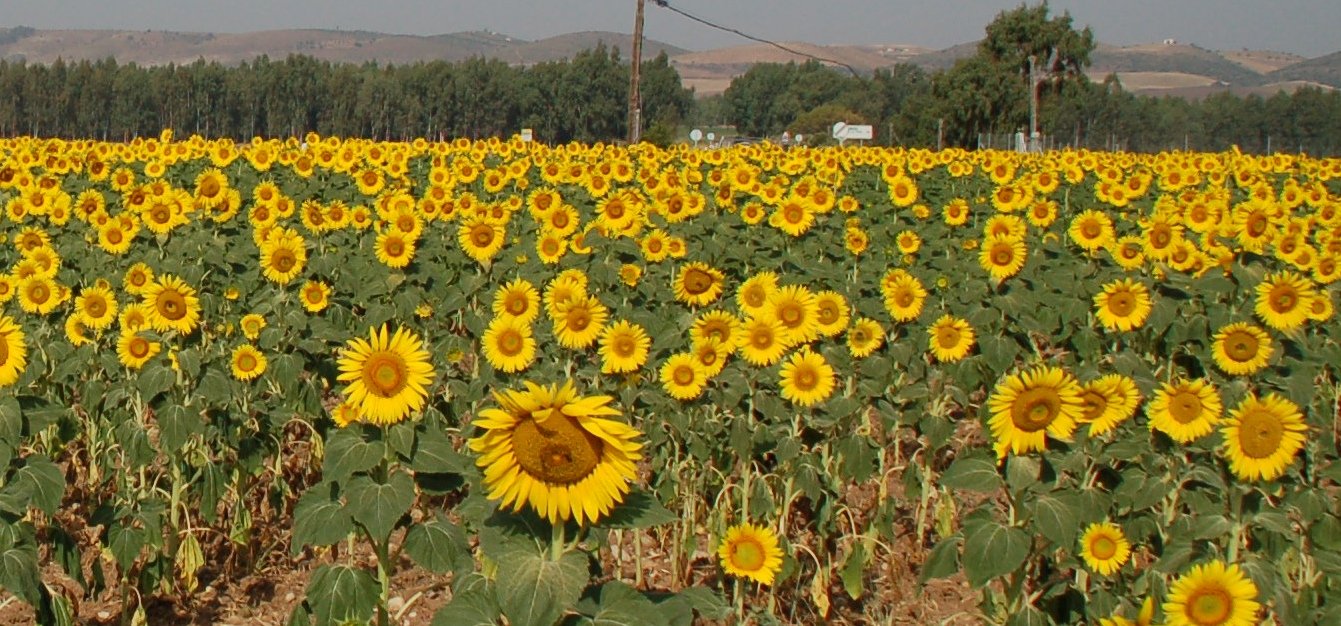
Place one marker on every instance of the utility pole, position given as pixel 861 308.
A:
pixel 635 97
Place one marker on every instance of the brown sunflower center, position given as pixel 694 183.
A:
pixel 1095 404
pixel 510 342
pixel 762 338
pixel 1121 303
pixel 95 307
pixel 791 314
pixel 171 305
pixel 283 260
pixel 394 247
pixel 315 295
pixel 1091 229
pixel 793 214
pixel 209 187
pixel 482 235
pixel 1241 346
pixel 160 214
pixel 1002 255
pixel 805 378
pixel 549 246
pixel 624 346
pixel 578 319
pixel 1160 236
pixel 755 296
pixel 138 347
pixel 1185 406
pixel 557 451
pixel 39 293
pixel 1035 409
pixel 1209 605
pixel 828 313
pixel 1256 225
pixel 697 281
pixel 683 376
pixel 516 305
pixel 1103 547
pixel 947 336
pixel 1260 433
pixel 1283 298
pixel 559 220
pixel 904 298
pixel 246 362
pixel 384 373
pixel 4 349
pixel 747 554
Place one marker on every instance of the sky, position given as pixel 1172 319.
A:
pixel 1305 27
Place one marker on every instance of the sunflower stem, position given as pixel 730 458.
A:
pixel 556 541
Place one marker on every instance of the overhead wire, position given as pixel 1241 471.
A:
pixel 665 4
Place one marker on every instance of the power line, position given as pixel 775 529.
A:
pixel 666 5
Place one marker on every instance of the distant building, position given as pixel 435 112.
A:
pixel 1170 42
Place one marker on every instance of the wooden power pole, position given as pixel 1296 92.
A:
pixel 635 97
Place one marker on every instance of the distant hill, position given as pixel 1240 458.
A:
pixel 337 46
pixel 1159 69
pixel 1324 69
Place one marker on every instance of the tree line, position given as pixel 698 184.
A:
pixel 582 99
pixel 987 95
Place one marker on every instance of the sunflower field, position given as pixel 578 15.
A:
pixel 601 384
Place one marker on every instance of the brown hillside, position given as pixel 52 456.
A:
pixel 1262 61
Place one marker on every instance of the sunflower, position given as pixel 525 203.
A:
pixel 96 307
pixel 251 325
pixel 134 349
pixel 624 347
pixel 864 337
pixel 1185 410
pixel 908 242
pixel 580 322
pixel 211 188
pixel 550 247
pixel 1282 300
pixel 39 294
pixel 316 296
pixel 517 299
pixel 1262 437
pixel 630 274
pixel 1123 304
pixel 248 362
pixel 698 284
pixel 721 326
pixel 762 341
pixel 793 216
pixel 481 238
pixel 795 307
pixel 8 287
pixel 683 377
pixel 752 295
pixel 134 316
pixel 806 378
pixel 387 375
pixel 1109 401
pixel 562 291
pixel 1002 256
pixel 508 344
pixel 751 551
pixel 394 248
pixel 172 305
pixel 951 338
pixel 831 312
pixel 712 355
pixel 903 295
pixel 1320 308
pixel 1212 594
pixel 1241 348
pixel 1091 230
pixel 554 450
pixel 283 255
pixel 956 212
pixel 1104 548
pixel 13 352
pixel 1029 404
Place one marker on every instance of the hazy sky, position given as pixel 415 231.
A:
pixel 1307 27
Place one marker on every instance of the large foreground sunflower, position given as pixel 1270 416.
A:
pixel 1212 594
pixel 554 450
pixel 751 551
pixel 13 352
pixel 387 374
pixel 1262 437
pixel 1028 405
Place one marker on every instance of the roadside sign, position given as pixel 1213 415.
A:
pixel 527 135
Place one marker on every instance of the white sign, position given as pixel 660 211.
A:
pixel 712 136
pixel 799 139
pixel 527 135
pixel 695 135
pixel 843 131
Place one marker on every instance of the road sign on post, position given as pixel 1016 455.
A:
pixel 843 131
